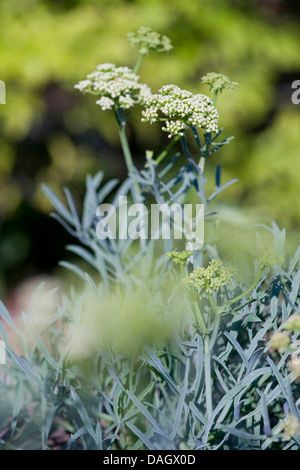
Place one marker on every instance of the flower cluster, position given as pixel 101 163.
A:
pixel 218 82
pixel 294 366
pixel 293 323
pixel 280 341
pixel 210 279
pixel 267 257
pixel 290 426
pixel 181 109
pixel 179 257
pixel 146 39
pixel 116 86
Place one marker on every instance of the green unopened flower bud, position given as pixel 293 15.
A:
pixel 290 426
pixel 280 341
pixel 145 39
pixel 268 258
pixel 179 257
pixel 210 279
pixel 293 323
pixel 218 82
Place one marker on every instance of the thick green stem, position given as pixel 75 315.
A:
pixel 248 291
pixel 207 372
pixel 138 63
pixel 182 270
pixel 128 157
pixel 165 152
pixel 199 319
pixel 202 164
pixel 126 150
pixel 214 100
pixel 213 303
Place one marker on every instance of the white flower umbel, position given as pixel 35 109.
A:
pixel 181 109
pixel 116 86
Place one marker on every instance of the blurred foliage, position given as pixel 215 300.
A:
pixel 50 134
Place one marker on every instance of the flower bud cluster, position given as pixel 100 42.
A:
pixel 280 340
pixel 290 426
pixel 210 279
pixel 179 257
pixel 293 323
pixel 218 82
pixel 268 257
pixel 145 39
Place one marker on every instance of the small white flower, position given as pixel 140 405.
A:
pixel 126 101
pixel 83 85
pixel 106 66
pixel 105 103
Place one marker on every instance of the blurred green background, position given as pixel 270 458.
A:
pixel 51 133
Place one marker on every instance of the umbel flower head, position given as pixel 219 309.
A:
pixel 290 426
pixel 181 109
pixel 294 366
pixel 145 39
pixel 116 86
pixel 210 279
pixel 179 257
pixel 293 323
pixel 280 340
pixel 218 82
pixel 268 257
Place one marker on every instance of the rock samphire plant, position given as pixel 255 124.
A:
pixel 164 346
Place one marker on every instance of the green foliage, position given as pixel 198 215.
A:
pixel 46 47
pixel 136 361
pixel 156 400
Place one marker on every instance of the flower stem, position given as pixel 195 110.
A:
pixel 138 63
pixel 248 291
pixel 199 319
pixel 126 150
pixel 128 159
pixel 213 304
pixel 214 100
pixel 202 164
pixel 207 373
pixel 119 113
pixel 165 152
